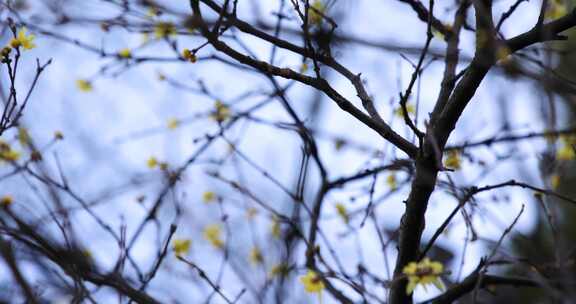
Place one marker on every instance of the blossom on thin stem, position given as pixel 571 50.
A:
pixel 423 273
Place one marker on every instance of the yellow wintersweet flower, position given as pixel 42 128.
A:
pixel 280 269
pixel 566 153
pixel 188 55
pixel 423 273
pixel 208 197
pixel 84 85
pixel 6 201
pixel 181 246
pixel 342 212
pixel 410 108
pixel 173 123
pixel 304 67
pixel 152 162
pixel 164 30
pixel 256 256
pixel 23 40
pixel 7 153
pixel 391 181
pixel 312 282
pixel 275 229
pixel 221 113
pixel 315 12
pixel 453 160
pixel 212 234
pixel 556 9
pixel 5 52
pixel 23 136
pixel 125 53
pixel 152 12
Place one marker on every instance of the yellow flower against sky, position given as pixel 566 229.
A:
pixel 313 283
pixel 84 85
pixel 212 234
pixel 423 273
pixel 23 40
pixel 181 247
pixel 453 160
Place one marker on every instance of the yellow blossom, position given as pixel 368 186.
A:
pixel 84 85
pixel 161 76
pixel 152 162
pixel 555 181
pixel 181 246
pixel 208 197
pixel 304 67
pixel 221 113
pixel 256 256
pixel 275 229
pixel 312 282
pixel 556 9
pixel 173 123
pixel 280 269
pixel 410 108
pixel 152 12
pixel 188 55
pixel 342 212
pixel 566 153
pixel 391 181
pixel 212 234
pixel 23 40
pixel 5 51
pixel 125 53
pixel 453 160
pixel 6 201
pixel 315 12
pixel 7 153
pixel 423 273
pixel 164 30
pixel 23 136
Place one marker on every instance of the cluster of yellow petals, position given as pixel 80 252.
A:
pixel 173 123
pixel 7 153
pixel 164 30
pixel 342 212
pixel 312 282
pixel 410 108
pixel 221 113
pixel 391 181
pixel 212 234
pixel 209 196
pixel 84 85
pixel 315 12
pixel 256 256
pixel 181 247
pixel 423 273
pixel 189 56
pixel 23 40
pixel 6 201
pixel 453 160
